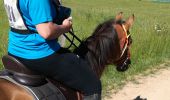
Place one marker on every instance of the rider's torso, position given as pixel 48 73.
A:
pixel 25 14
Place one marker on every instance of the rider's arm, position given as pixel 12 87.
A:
pixel 50 30
pixel 42 15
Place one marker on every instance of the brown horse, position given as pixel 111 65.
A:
pixel 109 44
pixel 11 91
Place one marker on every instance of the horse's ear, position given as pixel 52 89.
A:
pixel 129 22
pixel 119 16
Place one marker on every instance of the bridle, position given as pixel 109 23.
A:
pixel 127 33
pixel 125 65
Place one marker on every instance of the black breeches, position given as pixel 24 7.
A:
pixel 68 69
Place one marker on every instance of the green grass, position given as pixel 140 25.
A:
pixel 149 47
pixel 3 32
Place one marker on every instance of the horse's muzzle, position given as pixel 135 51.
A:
pixel 124 66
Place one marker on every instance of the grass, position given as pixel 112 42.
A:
pixel 3 31
pixel 150 47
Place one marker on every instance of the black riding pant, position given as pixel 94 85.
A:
pixel 68 69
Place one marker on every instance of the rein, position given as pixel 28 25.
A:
pixel 71 32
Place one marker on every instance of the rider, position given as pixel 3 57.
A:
pixel 32 40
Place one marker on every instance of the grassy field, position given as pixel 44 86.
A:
pixel 150 47
pixel 3 31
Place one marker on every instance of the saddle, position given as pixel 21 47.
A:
pixel 24 76
pixel 21 74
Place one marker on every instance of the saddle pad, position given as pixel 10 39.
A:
pixel 44 92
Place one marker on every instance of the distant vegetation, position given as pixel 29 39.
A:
pixel 161 0
pixel 150 32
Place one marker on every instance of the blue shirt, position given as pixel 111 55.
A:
pixel 33 46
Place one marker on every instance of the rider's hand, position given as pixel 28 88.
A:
pixel 67 23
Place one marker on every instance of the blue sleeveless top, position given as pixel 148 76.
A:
pixel 33 46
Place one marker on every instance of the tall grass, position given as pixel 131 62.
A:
pixel 150 32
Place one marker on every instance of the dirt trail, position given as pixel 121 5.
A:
pixel 153 87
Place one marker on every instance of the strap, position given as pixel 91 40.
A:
pixel 23 31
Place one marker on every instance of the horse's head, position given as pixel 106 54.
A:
pixel 125 40
pixel 109 44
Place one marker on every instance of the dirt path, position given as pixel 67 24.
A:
pixel 153 87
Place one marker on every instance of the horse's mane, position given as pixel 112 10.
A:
pixel 101 48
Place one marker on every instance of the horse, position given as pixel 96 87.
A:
pixel 109 44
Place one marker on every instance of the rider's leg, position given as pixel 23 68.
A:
pixel 71 71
